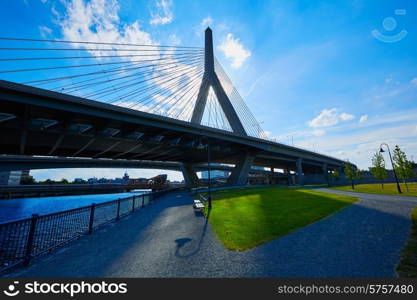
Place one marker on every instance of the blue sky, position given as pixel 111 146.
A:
pixel 313 72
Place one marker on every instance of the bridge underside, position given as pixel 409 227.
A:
pixel 36 122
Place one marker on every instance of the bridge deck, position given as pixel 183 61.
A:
pixel 34 121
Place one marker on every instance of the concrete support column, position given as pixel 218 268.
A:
pixel 342 176
pixel 190 176
pixel 240 172
pixel 287 172
pixel 300 176
pixel 325 173
pixel 271 175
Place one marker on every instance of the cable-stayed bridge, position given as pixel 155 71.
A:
pixel 67 100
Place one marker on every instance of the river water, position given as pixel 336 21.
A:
pixel 20 208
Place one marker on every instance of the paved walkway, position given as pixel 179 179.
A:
pixel 167 239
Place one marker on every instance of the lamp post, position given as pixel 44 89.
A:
pixel 209 175
pixel 393 168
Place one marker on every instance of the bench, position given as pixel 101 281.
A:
pixel 197 204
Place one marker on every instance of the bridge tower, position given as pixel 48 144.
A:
pixel 210 79
pixel 243 162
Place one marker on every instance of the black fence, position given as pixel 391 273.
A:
pixel 24 239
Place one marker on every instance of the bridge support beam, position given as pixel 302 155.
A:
pixel 300 176
pixel 342 175
pixel 288 173
pixel 240 172
pixel 325 173
pixel 190 175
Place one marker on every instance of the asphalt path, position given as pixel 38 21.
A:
pixel 167 239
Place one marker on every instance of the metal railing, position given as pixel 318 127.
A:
pixel 24 239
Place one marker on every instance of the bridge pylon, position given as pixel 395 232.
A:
pixel 210 79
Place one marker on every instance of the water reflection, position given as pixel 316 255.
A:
pixel 14 209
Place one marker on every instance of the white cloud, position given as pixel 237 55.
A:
pixel 98 21
pixel 174 40
pixel 207 21
pixel 326 118
pixel 346 117
pixel 234 50
pixel 265 134
pixel 329 117
pixel 292 137
pixel 363 118
pixel 45 31
pixel 359 146
pixel 318 132
pixel 414 81
pixel 164 14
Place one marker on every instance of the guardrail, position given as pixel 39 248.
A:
pixel 24 239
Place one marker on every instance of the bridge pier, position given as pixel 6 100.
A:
pixel 288 173
pixel 190 175
pixel 240 172
pixel 342 175
pixel 325 173
pixel 299 167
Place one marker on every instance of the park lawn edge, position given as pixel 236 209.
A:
pixel 347 188
pixel 269 239
pixel 407 266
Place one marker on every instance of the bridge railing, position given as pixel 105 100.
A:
pixel 24 239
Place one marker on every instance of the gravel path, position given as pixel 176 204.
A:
pixel 167 239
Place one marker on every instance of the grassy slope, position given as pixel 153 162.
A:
pixel 389 189
pixel 408 263
pixel 245 218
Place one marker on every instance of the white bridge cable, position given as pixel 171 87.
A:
pixel 249 122
pixel 77 86
pixel 213 115
pixel 171 79
pixel 105 71
pixel 133 82
pixel 154 78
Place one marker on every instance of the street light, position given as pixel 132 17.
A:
pixel 393 168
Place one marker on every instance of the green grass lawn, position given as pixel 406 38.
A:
pixel 247 217
pixel 408 263
pixel 375 188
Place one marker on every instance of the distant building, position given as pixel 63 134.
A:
pixel 258 168
pixel 25 175
pixel 92 180
pixel 11 177
pixel 125 177
pixel 215 174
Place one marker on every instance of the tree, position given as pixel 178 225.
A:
pixel 334 175
pixel 28 180
pixel 352 173
pixel 378 168
pixel 403 167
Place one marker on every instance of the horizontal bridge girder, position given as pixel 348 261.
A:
pixel 87 118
